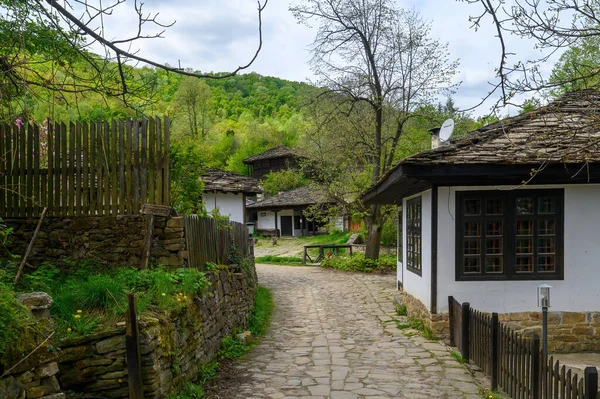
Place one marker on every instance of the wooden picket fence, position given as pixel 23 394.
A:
pixel 514 362
pixel 85 169
pixel 209 241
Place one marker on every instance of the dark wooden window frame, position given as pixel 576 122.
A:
pixel 509 235
pixel 414 259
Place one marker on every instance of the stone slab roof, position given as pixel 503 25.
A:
pixel 299 197
pixel 277 152
pixel 565 131
pixel 218 180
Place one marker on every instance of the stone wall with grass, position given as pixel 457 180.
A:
pixel 173 347
pixel 437 323
pixel 117 240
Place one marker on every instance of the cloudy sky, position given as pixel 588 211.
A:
pixel 219 35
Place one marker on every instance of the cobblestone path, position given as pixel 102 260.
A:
pixel 332 336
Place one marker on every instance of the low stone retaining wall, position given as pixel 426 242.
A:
pixel 173 348
pixel 438 323
pixel 117 240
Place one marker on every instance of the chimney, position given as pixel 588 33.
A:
pixel 435 137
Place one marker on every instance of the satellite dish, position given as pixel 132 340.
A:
pixel 446 129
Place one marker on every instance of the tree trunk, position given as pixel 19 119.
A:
pixel 374 226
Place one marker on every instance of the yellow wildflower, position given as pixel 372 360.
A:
pixel 69 329
pixel 185 297
pixel 491 396
pixel 180 293
pixel 77 316
pixel 163 294
pixel 178 299
pixel 79 311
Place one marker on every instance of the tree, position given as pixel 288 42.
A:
pixel 377 63
pixel 192 100
pixel 554 26
pixel 42 42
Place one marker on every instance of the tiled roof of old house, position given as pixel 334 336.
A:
pixel 277 152
pixel 229 182
pixel 299 197
pixel 567 130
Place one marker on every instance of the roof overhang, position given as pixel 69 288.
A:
pixel 408 179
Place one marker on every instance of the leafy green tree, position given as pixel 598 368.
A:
pixel 192 102
pixel 188 161
pixel 577 68
pixel 283 180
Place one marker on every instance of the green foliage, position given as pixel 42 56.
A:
pixel 232 348
pixel 86 297
pixel 335 237
pixel 18 330
pixel 260 315
pixel 389 233
pixel 188 391
pixel 577 67
pixel 278 260
pixel 457 356
pixel 402 310
pixel 485 393
pixel 283 180
pixel 188 161
pixel 358 263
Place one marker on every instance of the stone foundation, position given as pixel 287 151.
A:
pixel 173 349
pixel 438 323
pixel 568 332
pixel 117 240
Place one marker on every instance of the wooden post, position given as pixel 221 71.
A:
pixel 495 355
pixel 535 367
pixel 148 241
pixel 304 256
pixel 30 246
pixel 591 382
pixel 465 330
pixel 132 345
pixel 451 320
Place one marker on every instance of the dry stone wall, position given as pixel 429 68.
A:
pixel 173 348
pixel 117 240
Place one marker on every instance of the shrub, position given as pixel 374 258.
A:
pixel 389 233
pixel 358 263
pixel 18 330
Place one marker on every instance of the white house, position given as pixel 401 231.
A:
pixel 489 217
pixel 283 214
pixel 228 191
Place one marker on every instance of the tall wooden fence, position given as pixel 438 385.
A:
pixel 85 169
pixel 514 363
pixel 209 241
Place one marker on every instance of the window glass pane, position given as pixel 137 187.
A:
pixel 493 246
pixel 525 206
pixel 546 227
pixel 524 264
pixel 524 246
pixel 493 264
pixel 546 205
pixel 494 207
pixel 472 207
pixel 546 245
pixel 546 263
pixel 472 229
pixel 472 247
pixel 524 227
pixel 493 228
pixel 472 264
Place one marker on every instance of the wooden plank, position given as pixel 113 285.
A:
pixel 78 171
pixel 133 352
pixel 159 164
pixel 37 197
pixel 106 168
pixel 128 157
pixel 99 169
pixel 22 173
pixel 71 169
pixel 136 166
pixel 51 187
pixel 85 201
pixel 122 167
pixel 151 163
pixel 114 151
pixel 63 171
pixel 93 173
pixel 3 169
pixel 167 162
pixel 144 160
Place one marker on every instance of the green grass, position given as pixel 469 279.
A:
pixel 336 237
pixel 401 310
pixel 458 357
pixel 279 260
pixel 260 316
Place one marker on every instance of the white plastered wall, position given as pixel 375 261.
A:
pixel 415 285
pixel 578 292
pixel 231 205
